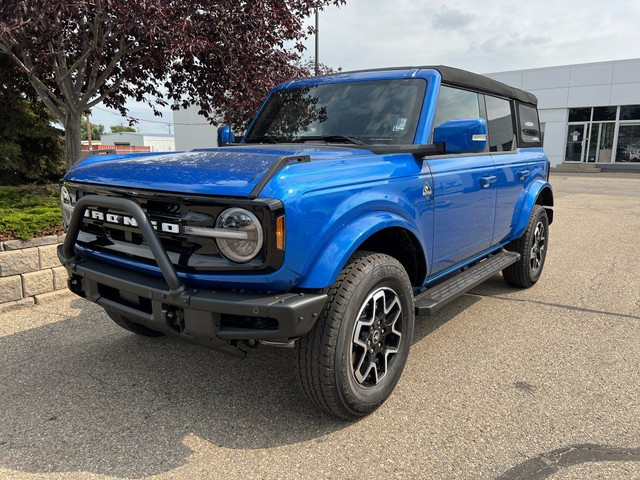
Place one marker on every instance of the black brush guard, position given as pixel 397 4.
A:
pixel 169 305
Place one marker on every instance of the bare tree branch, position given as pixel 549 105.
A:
pixel 52 102
pixel 44 96
pixel 115 85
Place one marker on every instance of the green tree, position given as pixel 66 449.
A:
pixel 97 130
pixel 31 147
pixel 122 128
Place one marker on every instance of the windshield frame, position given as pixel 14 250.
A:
pixel 424 109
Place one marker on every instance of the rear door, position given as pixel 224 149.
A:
pixel 516 167
pixel 463 189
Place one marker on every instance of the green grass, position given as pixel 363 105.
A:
pixel 29 211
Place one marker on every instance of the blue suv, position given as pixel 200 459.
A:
pixel 353 203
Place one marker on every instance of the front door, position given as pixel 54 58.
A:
pixel 464 193
pixel 576 142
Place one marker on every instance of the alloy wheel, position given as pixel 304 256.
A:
pixel 376 336
pixel 538 247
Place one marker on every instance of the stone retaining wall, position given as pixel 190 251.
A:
pixel 29 269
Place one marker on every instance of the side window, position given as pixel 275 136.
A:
pixel 499 124
pixel 455 103
pixel 529 125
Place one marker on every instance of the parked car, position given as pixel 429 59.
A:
pixel 353 203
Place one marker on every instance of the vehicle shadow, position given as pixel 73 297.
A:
pixel 426 325
pixel 84 395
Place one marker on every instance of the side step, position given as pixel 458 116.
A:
pixel 432 299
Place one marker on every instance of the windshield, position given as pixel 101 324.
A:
pixel 374 112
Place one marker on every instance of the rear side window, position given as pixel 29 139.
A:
pixel 529 126
pixel 454 103
pixel 499 124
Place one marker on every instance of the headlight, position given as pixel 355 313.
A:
pixel 244 236
pixel 67 207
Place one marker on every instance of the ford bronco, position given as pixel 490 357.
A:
pixel 353 203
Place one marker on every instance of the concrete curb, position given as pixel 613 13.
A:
pixel 25 302
pixel 45 298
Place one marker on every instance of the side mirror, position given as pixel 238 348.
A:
pixel 468 135
pixel 225 135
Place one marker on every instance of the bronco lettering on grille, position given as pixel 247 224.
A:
pixel 127 221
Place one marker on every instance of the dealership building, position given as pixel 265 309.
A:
pixel 589 114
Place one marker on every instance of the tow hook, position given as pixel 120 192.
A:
pixel 75 285
pixel 174 317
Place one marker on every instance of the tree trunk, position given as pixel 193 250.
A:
pixel 73 138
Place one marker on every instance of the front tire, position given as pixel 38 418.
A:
pixel 532 247
pixel 352 359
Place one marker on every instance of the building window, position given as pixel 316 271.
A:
pixel 630 112
pixel 604 113
pixel 499 124
pixel 580 114
pixel 628 144
pixel 604 134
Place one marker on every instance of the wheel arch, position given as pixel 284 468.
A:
pixel 403 245
pixel 538 193
pixel 545 199
pixel 380 232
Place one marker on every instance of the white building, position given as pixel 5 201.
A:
pixel 589 113
pixel 158 142
pixel 193 130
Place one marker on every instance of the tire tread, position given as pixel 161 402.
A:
pixel 316 372
pixel 518 273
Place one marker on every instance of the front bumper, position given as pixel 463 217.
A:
pixel 216 318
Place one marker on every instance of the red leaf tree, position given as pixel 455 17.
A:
pixel 223 55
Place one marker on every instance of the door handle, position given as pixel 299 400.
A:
pixel 486 181
pixel 522 174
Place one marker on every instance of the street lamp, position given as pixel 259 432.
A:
pixel 317 69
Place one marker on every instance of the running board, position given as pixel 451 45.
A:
pixel 432 299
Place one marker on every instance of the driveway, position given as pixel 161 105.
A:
pixel 501 383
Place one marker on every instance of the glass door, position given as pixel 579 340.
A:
pixel 576 142
pixel 600 142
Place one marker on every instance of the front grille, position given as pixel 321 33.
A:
pixel 188 253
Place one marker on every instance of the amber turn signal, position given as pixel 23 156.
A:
pixel 280 233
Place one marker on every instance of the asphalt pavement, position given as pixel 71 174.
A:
pixel 502 383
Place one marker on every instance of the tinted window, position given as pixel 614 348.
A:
pixel 373 112
pixel 604 113
pixel 630 112
pixel 455 103
pixel 529 126
pixel 499 124
pixel 580 114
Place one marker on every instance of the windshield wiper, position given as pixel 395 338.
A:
pixel 331 138
pixel 262 139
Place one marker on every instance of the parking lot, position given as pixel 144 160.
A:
pixel 501 383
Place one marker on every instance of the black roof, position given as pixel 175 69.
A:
pixel 465 79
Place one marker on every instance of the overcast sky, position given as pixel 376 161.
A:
pixel 481 36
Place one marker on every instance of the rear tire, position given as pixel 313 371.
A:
pixel 352 359
pixel 532 247
pixel 133 327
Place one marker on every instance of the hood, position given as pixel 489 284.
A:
pixel 230 171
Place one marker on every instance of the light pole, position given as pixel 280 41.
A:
pixel 317 69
